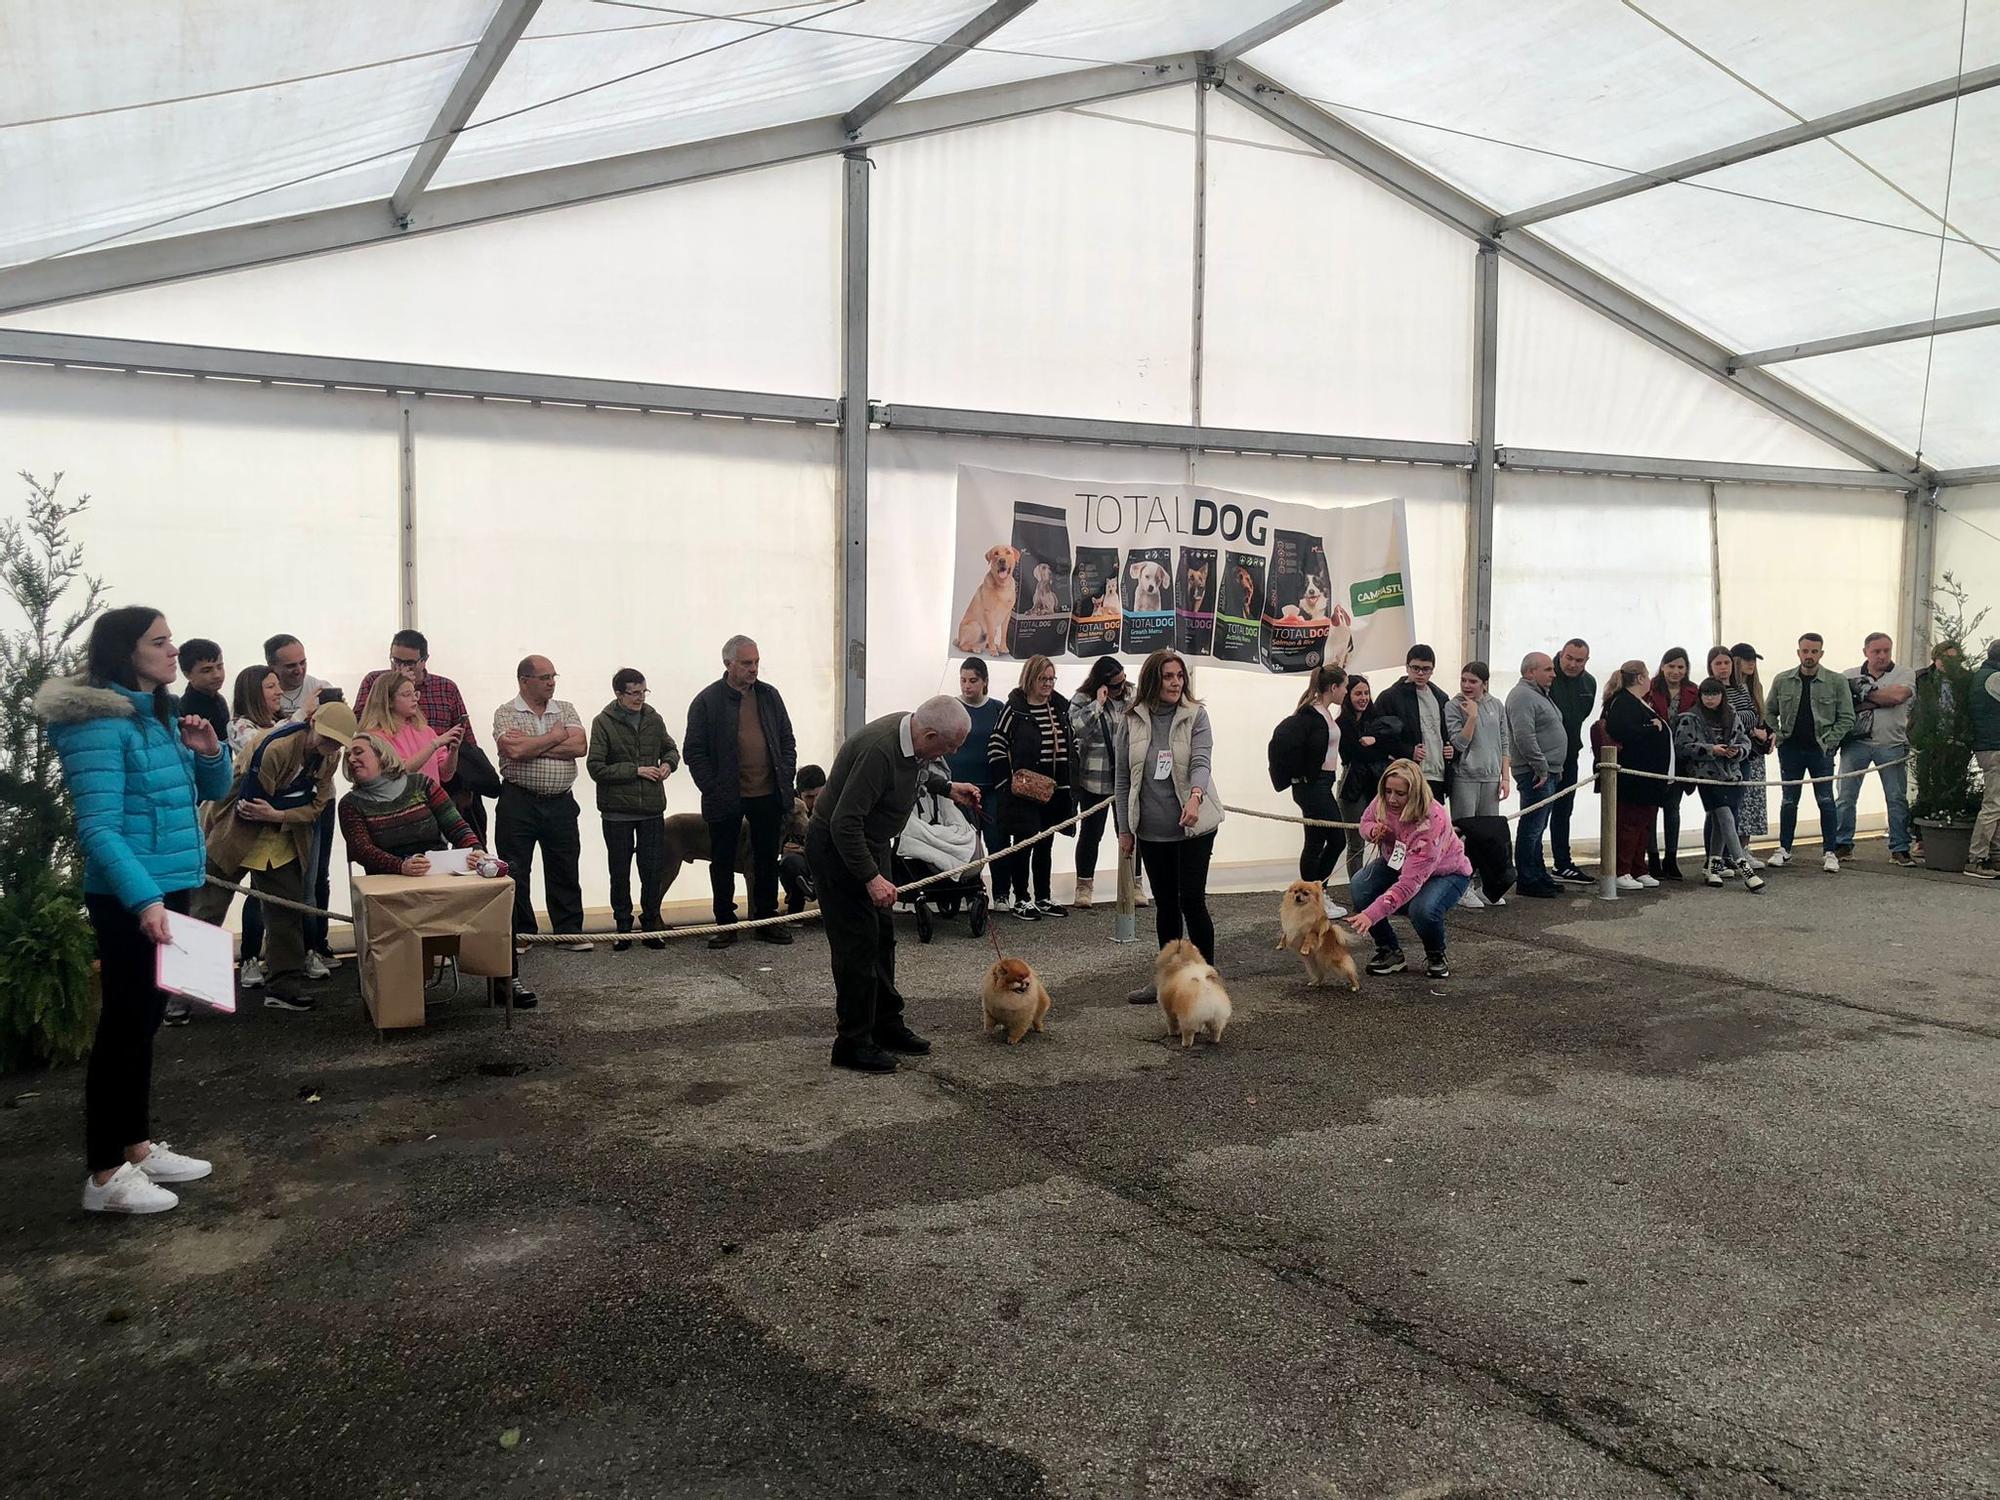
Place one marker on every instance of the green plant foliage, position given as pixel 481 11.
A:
pixel 47 1008
pixel 1948 784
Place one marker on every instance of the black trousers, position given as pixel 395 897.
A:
pixel 861 939
pixel 1323 846
pixel 319 880
pixel 796 876
pixel 523 823
pixel 1178 869
pixel 118 1084
pixel 1089 834
pixel 648 839
pixel 766 817
pixel 1036 861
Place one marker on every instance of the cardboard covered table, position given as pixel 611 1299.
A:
pixel 394 915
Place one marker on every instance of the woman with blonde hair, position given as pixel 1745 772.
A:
pixel 1031 752
pixel 1419 869
pixel 395 711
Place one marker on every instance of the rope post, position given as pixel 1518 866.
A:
pixel 1607 823
pixel 1125 919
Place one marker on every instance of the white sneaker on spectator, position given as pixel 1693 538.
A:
pixel 316 967
pixel 327 957
pixel 1780 858
pixel 252 975
pixel 1649 882
pixel 1831 864
pixel 1333 909
pixel 1629 883
pixel 164 1164
pixel 579 946
pixel 1756 863
pixel 1472 900
pixel 129 1191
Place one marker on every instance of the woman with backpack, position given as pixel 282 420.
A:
pixel 1303 754
pixel 1711 746
pixel 1368 740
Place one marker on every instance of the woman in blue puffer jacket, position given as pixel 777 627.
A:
pixel 136 773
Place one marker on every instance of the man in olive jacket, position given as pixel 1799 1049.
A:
pixel 741 753
pixel 869 793
pixel 1810 712
pixel 631 757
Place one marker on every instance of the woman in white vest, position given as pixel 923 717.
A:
pixel 1166 803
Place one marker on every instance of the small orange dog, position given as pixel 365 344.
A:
pixel 1013 996
pixel 1306 929
pixel 1190 992
pixel 987 618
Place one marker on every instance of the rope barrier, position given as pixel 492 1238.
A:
pixel 1516 815
pixel 711 927
pixel 1799 781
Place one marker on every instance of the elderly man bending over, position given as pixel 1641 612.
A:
pixel 869 793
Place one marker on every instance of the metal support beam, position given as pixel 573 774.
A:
pixel 854 443
pixel 1715 566
pixel 1895 334
pixel 935 61
pixel 1920 530
pixel 505 29
pixel 67 278
pixel 1985 474
pixel 1763 145
pixel 1265 30
pixel 1335 138
pixel 406 531
pixel 85 351
pixel 1199 299
pixel 1552 461
pixel 1485 388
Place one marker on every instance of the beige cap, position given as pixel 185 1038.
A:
pixel 335 721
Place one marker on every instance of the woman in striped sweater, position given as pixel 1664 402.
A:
pixel 1032 734
pixel 394 817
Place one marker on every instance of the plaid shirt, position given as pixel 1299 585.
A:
pixel 440 699
pixel 546 775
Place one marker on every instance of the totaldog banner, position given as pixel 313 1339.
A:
pixel 1075 569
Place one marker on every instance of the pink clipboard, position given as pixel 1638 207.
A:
pixel 198 963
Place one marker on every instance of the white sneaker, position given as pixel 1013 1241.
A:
pixel 1831 864
pixel 252 975
pixel 316 967
pixel 328 961
pixel 1780 859
pixel 580 947
pixel 164 1164
pixel 1333 909
pixel 1497 901
pixel 1756 863
pixel 1472 900
pixel 129 1191
pixel 1649 883
pixel 1628 883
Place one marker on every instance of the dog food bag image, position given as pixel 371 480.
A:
pixel 1094 610
pixel 1041 612
pixel 1194 599
pixel 1296 620
pixel 988 621
pixel 1148 586
pixel 1240 606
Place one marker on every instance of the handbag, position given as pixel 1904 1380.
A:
pixel 1032 786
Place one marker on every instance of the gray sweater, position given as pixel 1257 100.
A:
pixel 1478 751
pixel 1535 727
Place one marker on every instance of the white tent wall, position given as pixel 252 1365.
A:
pixel 604 540
pixel 237 510
pixel 1968 546
pixel 911 486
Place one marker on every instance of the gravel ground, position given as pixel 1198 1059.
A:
pixel 1692 1194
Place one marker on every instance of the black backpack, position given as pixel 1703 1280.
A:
pixel 1287 753
pixel 299 792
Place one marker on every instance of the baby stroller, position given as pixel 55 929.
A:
pixel 939 837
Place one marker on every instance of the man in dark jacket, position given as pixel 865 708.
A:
pixel 1574 693
pixel 741 753
pixel 1419 705
pixel 869 793
pixel 631 757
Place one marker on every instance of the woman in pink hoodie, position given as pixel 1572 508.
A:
pixel 1419 868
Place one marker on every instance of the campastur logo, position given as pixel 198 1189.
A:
pixel 1372 594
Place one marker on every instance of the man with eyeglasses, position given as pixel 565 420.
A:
pixel 299 697
pixel 631 757
pixel 540 739
pixel 443 708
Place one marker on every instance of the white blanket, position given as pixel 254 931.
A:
pixel 938 834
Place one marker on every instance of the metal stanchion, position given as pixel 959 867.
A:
pixel 1607 823
pixel 1125 919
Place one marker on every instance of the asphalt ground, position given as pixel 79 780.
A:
pixel 1687 1194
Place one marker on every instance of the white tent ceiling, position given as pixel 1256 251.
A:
pixel 137 122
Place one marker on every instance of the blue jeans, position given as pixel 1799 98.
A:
pixel 1558 816
pixel 1895 790
pixel 1426 910
pixel 1530 872
pixel 1793 763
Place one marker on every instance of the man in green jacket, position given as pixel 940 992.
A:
pixel 1810 712
pixel 869 793
pixel 631 756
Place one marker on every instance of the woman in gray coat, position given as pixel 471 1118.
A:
pixel 1481 745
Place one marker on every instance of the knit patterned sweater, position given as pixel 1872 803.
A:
pixel 380 836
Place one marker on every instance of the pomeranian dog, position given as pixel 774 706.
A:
pixel 1306 929
pixel 1013 997
pixel 1191 993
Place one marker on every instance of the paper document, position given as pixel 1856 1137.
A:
pixel 199 964
pixel 453 861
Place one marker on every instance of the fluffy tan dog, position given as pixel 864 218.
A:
pixel 1306 929
pixel 1191 993
pixel 1013 997
pixel 984 626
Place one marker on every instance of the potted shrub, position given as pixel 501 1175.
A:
pixel 48 999
pixel 1947 790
